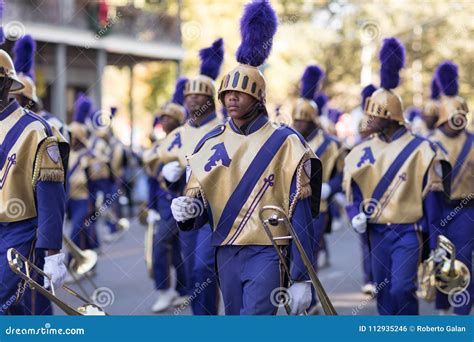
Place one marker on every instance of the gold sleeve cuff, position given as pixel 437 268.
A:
pixel 48 164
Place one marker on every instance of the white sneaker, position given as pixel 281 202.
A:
pixel 112 237
pixel 180 300
pixel 368 289
pixel 165 300
pixel 338 224
pixel 70 279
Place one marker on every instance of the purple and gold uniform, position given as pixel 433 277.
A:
pixel 397 183
pixel 32 193
pixel 457 144
pixel 198 253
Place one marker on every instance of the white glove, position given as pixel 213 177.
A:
pixel 184 208
pixel 359 223
pixel 438 255
pixel 300 297
pixel 172 171
pixel 325 191
pixel 152 216
pixel 55 268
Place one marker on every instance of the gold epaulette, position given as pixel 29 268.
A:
pixel 48 165
pixel 303 185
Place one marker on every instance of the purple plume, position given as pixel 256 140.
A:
pixel 321 100
pixel 392 58
pixel 310 81
pixel 435 92
pixel 178 95
pixel 212 58
pixel 82 108
pixel 25 49
pixel 447 78
pixel 2 8
pixel 366 93
pixel 412 113
pixel 258 25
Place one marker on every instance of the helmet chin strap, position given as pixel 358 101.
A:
pixel 253 112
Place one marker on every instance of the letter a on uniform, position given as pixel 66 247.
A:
pixel 219 154
pixel 176 142
pixel 368 155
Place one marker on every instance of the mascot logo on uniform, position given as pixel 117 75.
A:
pixel 368 155
pixel 220 154
pixel 175 142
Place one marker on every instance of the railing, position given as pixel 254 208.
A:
pixel 79 14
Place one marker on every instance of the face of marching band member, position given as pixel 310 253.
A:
pixel 5 85
pixel 198 105
pixel 238 104
pixel 168 123
pixel 375 124
pixel 304 127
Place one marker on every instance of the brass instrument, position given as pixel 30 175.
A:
pixel 17 262
pixel 149 234
pixel 123 224
pixel 278 216
pixel 442 272
pixel 82 262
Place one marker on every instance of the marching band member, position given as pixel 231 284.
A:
pixel 326 147
pixel 166 235
pixel 456 142
pixel 32 155
pixel 101 172
pixel 393 181
pixel 199 102
pixel 79 204
pixel 242 165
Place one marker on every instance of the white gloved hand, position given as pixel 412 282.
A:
pixel 172 171
pixel 325 191
pixel 55 268
pixel 300 297
pixel 152 216
pixel 438 255
pixel 359 223
pixel 184 208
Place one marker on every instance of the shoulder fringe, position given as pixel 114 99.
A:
pixel 45 173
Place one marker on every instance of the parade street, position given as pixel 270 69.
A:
pixel 126 289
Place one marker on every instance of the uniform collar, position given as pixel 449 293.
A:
pixel 204 121
pixel 251 127
pixel 12 106
pixel 398 133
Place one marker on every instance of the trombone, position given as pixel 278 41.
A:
pixel 16 261
pixel 82 262
pixel 278 216
pixel 149 234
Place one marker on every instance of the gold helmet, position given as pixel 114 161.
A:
pixel 383 102
pixel 7 69
pixel 452 107
pixel 258 25
pixel 29 90
pixel 246 79
pixel 306 109
pixel 211 61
